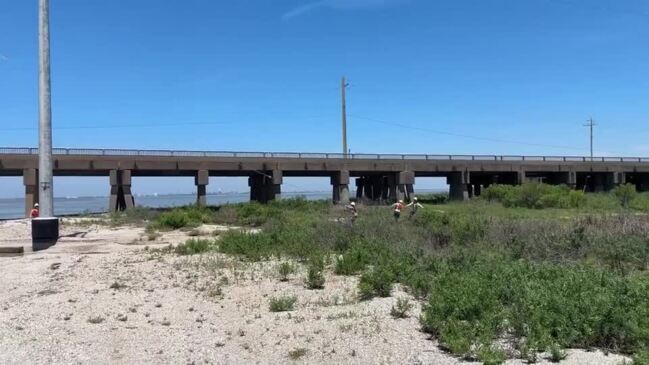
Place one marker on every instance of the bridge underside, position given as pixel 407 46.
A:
pixel 378 180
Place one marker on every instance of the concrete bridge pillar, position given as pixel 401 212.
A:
pixel 201 180
pixel 405 185
pixel 363 190
pixel 30 180
pixel 340 184
pixel 265 187
pixel 121 197
pixel 458 185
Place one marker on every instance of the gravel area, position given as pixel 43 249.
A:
pixel 109 295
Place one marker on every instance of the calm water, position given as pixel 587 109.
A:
pixel 14 208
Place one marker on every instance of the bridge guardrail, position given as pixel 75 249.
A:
pixel 312 155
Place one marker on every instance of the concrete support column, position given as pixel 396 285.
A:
pixel 614 179
pixel 201 180
pixel 360 185
pixel 520 177
pixel 405 182
pixel 121 197
pixel 340 186
pixel 264 188
pixel 572 179
pixel 30 180
pixel 458 184
pixel 275 185
pixel 254 182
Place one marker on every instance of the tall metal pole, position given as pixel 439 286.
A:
pixel 46 198
pixel 591 125
pixel 343 86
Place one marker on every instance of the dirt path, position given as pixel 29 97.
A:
pixel 99 296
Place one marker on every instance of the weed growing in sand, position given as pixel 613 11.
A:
pixel 194 246
pixel 282 304
pixel 285 269
pixel 297 353
pixel 401 308
pixel 117 285
pixel 556 353
pixel 314 277
pixel 95 320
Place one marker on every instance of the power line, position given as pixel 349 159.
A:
pixel 392 123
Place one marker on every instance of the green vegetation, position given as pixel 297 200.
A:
pixel 401 308
pixel 193 246
pixel 314 278
pixel 535 196
pixel 625 194
pixel 542 266
pixel 285 269
pixel 282 304
pixel 297 353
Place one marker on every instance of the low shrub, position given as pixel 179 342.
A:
pixel 351 263
pixel 472 305
pixel 314 277
pixel 376 283
pixel 285 269
pixel 174 219
pixel 282 304
pixel 194 246
pixel 401 308
pixel 625 194
pixel 534 196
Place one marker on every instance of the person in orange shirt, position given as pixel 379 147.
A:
pixel 34 213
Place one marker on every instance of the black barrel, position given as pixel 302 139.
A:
pixel 45 232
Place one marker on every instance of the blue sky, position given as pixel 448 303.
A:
pixel 453 76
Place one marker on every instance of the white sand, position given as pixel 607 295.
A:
pixel 175 314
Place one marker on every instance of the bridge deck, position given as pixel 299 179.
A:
pixel 98 162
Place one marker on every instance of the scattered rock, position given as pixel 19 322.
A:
pixel 55 266
pixel 122 317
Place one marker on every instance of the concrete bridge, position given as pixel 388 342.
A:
pixel 376 176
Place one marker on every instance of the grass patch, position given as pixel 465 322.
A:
pixel 285 269
pixel 194 246
pixel 282 304
pixel 297 353
pixel 401 308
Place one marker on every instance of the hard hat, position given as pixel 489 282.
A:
pixel 36 205
pixel 415 198
pixel 352 203
pixel 400 201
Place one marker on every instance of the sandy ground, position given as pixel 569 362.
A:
pixel 58 306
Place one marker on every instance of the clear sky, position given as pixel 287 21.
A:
pixel 426 76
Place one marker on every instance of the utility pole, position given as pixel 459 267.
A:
pixel 46 198
pixel 45 228
pixel 590 124
pixel 343 87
